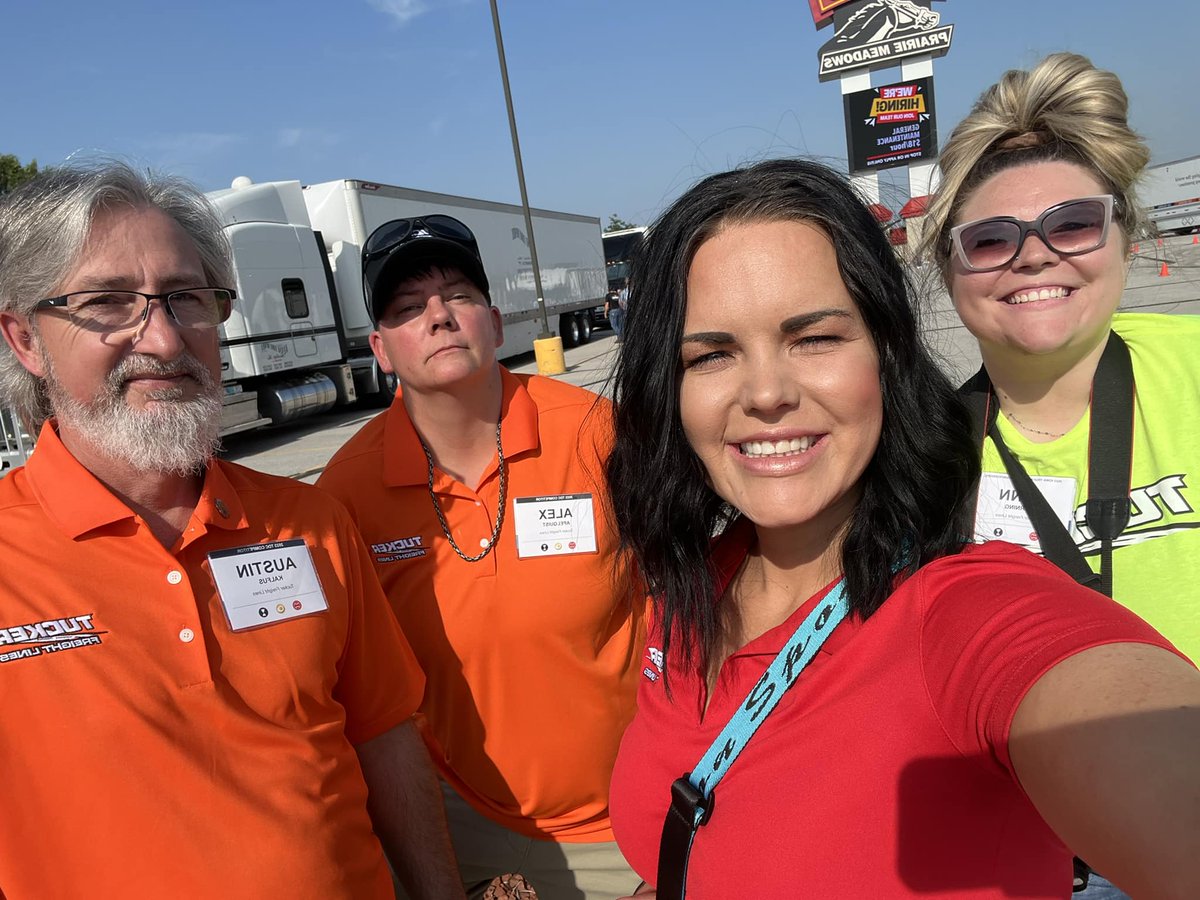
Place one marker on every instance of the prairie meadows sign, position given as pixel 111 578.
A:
pixel 878 33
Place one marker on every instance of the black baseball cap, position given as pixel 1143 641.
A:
pixel 403 247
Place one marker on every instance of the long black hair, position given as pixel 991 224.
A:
pixel 916 488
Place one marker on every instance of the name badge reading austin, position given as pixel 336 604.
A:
pixel 266 583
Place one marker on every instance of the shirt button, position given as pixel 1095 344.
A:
pixel 187 635
pixel 174 576
pixel 477 503
pixel 483 542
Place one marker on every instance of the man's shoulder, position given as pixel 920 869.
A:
pixel 261 491
pixel 552 396
pixel 14 490
pixel 364 448
pixel 566 411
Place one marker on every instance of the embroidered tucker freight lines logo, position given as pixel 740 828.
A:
pixel 401 548
pixel 50 636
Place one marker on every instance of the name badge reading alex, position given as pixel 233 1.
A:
pixel 556 525
pixel 1000 516
pixel 266 583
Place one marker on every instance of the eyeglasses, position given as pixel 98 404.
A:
pixel 109 311
pixel 390 235
pixel 1069 229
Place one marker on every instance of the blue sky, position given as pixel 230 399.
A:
pixel 621 104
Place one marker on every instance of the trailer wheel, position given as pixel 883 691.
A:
pixel 386 389
pixel 585 327
pixel 570 329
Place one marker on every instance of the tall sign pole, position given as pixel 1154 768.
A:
pixel 922 176
pixel 512 127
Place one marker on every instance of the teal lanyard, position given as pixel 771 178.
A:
pixel 692 795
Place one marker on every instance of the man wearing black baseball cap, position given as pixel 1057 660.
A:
pixel 405 247
pixel 481 495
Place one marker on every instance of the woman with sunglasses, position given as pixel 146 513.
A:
pixel 1089 419
pixel 861 702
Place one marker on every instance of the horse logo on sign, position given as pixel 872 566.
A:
pixel 881 20
pixel 881 32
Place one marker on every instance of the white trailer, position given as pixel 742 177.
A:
pixel 1171 195
pixel 297 343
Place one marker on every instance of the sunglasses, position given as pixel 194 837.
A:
pixel 390 235
pixel 1069 229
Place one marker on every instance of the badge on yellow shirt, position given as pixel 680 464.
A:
pixel 554 525
pixel 999 515
pixel 266 583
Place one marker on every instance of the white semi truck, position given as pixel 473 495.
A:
pixel 296 343
pixel 1171 195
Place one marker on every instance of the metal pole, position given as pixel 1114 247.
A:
pixel 512 127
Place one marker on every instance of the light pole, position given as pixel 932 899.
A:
pixel 551 346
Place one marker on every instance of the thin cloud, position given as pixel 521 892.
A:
pixel 290 138
pixel 401 11
pixel 196 143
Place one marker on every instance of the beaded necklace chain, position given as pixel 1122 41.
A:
pixel 1054 434
pixel 499 512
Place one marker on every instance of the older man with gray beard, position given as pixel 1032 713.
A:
pixel 205 693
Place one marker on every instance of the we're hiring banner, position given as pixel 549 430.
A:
pixel 890 125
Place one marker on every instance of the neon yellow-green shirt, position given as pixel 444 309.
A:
pixel 1156 559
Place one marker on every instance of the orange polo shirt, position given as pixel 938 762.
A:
pixel 148 750
pixel 531 662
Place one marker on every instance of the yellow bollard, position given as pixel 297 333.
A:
pixel 549 354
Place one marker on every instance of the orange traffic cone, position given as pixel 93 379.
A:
pixel 1164 271
pixel 1135 248
pixel 1196 238
pixel 1160 242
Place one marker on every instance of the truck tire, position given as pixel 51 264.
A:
pixel 386 391
pixel 570 329
pixel 585 327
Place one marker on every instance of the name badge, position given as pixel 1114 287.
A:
pixel 266 583
pixel 999 515
pixel 554 526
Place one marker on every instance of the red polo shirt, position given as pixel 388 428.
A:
pixel 884 771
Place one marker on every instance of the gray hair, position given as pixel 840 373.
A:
pixel 44 225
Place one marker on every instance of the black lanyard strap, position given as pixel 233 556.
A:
pixel 1110 463
pixel 1110 466
pixel 1110 452
pixel 689 810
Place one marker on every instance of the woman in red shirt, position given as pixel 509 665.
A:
pixel 974 713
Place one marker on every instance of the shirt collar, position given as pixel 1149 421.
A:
pixel 77 502
pixel 220 506
pixel 404 461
